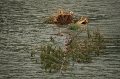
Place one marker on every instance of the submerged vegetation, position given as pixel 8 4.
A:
pixel 74 27
pixel 55 58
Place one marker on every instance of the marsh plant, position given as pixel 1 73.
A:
pixel 74 27
pixel 55 58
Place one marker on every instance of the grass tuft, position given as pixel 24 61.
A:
pixel 55 58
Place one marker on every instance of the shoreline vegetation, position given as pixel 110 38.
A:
pixel 54 58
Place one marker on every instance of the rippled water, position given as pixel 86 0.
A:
pixel 22 28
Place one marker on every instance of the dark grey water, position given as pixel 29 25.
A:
pixel 22 28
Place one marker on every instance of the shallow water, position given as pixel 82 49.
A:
pixel 22 28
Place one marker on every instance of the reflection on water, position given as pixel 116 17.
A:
pixel 22 28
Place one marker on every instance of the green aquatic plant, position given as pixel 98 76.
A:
pixel 48 20
pixel 73 27
pixel 55 58
pixel 52 58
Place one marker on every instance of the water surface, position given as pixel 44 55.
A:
pixel 22 28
